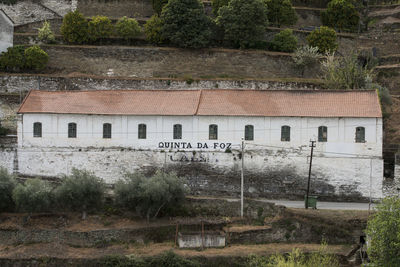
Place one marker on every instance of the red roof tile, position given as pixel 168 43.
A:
pixel 206 102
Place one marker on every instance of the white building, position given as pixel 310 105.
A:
pixel 111 132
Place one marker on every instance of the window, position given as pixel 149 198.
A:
pixel 285 133
pixel 72 130
pixel 107 130
pixel 213 132
pixel 322 134
pixel 360 135
pixel 177 131
pixel 37 129
pixel 142 131
pixel 249 132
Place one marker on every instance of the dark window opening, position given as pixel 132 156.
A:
pixel 249 132
pixel 360 135
pixel 322 134
pixel 142 131
pixel 213 132
pixel 72 130
pixel 177 131
pixel 37 129
pixel 285 133
pixel 107 130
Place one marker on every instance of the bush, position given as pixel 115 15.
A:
pixel 217 4
pixel 284 41
pixel 305 57
pixel 158 5
pixel 170 259
pixel 4 131
pixel 74 28
pixel 281 13
pixel 152 30
pixel 7 185
pixel 34 195
pixel 81 191
pixel 45 34
pixel 127 28
pixel 100 27
pixel 149 195
pixel 243 22
pixel 13 60
pixel 384 233
pixel 341 15
pixel 324 38
pixel 36 58
pixel 184 24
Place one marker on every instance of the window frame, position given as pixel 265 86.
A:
pixel 285 133
pixel 249 132
pixel 213 132
pixel 107 130
pixel 72 130
pixel 177 131
pixel 142 131
pixel 321 131
pixel 37 132
pixel 357 137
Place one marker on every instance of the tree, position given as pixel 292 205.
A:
pixel 74 28
pixel 99 27
pixel 149 195
pixel 7 185
pixel 81 191
pixel 185 24
pixel 45 34
pixel 324 38
pixel 284 41
pixel 305 57
pixel 127 28
pixel 341 15
pixel 13 59
pixel 34 195
pixel 35 58
pixel 217 4
pixel 243 22
pixel 158 5
pixel 384 233
pixel 152 30
pixel 281 13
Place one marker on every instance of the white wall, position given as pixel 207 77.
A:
pixel 6 32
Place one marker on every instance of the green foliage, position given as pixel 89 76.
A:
pixel 158 5
pixel 284 41
pixel 324 38
pixel 8 2
pixel 81 191
pixel 243 22
pixel 123 261
pixel 341 15
pixel 384 96
pixel 74 28
pixel 184 24
pixel 4 131
pixel 152 30
pixel 306 57
pixel 7 185
pixel 345 73
pixel 100 27
pixel 127 28
pixel 45 34
pixel 281 13
pixel 13 59
pixel 170 259
pixel 36 58
pixel 217 4
pixel 384 233
pixel 34 195
pixel 149 195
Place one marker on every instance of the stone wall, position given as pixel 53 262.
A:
pixel 6 31
pixel 116 8
pixel 8 153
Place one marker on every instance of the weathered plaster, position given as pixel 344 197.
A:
pixel 6 31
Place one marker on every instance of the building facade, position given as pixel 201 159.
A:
pixel 199 133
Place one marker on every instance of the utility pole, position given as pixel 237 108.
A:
pixel 312 145
pixel 242 181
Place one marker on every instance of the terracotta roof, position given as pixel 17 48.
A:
pixel 288 103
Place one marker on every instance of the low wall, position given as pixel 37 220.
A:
pixel 196 240
pixel 116 8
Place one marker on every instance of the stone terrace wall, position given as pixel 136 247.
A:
pixel 116 8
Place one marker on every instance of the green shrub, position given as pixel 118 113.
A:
pixel 35 58
pixel 184 24
pixel 74 28
pixel 384 233
pixel 324 38
pixel 123 261
pixel 243 22
pixel 100 27
pixel 281 13
pixel 7 185
pixel 152 30
pixel 149 195
pixel 170 259
pixel 217 4
pixel 127 28
pixel 45 34
pixel 305 57
pixel 81 191
pixel 284 41
pixel 13 59
pixel 158 5
pixel 341 15
pixel 4 131
pixel 35 195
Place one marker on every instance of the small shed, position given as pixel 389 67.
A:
pixel 6 31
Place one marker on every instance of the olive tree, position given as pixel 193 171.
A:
pixel 81 191
pixel 74 28
pixel 341 15
pixel 284 41
pixel 306 57
pixel 324 38
pixel 99 27
pixel 243 22
pixel 281 13
pixel 35 58
pixel 7 185
pixel 127 28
